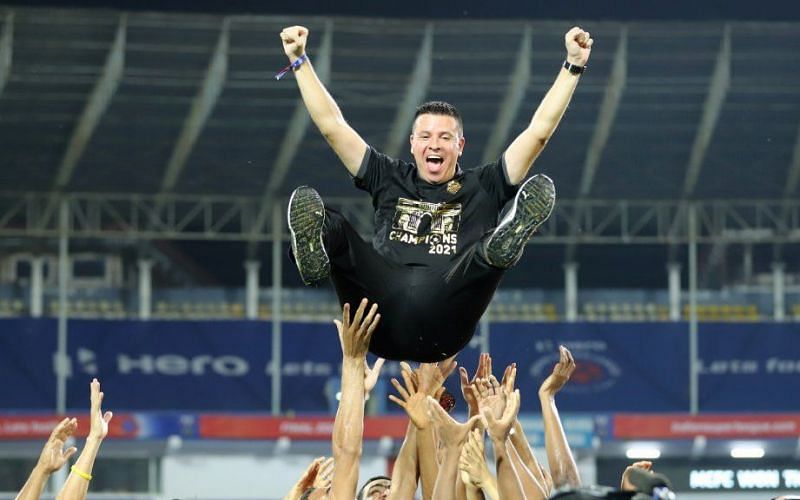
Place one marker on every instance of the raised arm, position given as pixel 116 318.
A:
pixel 521 448
pixel 325 113
pixel 508 482
pixel 559 455
pixel 348 426
pixel 475 471
pixel 81 473
pixel 52 458
pixel 452 435
pixel 524 150
pixel 406 467
pixel 431 377
pixel 493 394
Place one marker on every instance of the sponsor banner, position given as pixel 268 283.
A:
pixel 620 366
pixel 149 426
pixel 221 366
pixel 579 430
pixel 122 426
pixel 300 428
pixel 710 426
pixel 749 367
pixel 26 364
pixel 158 365
pixel 142 365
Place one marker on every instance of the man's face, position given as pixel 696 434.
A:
pixel 436 144
pixel 377 489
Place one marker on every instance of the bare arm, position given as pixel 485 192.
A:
pixel 52 458
pixel 325 113
pixel 521 447
pixel 524 150
pixel 559 455
pixel 452 434
pixel 531 487
pixel 474 471
pixel 348 426
pixel 508 482
pixel 428 466
pixel 77 486
pixel 426 381
pixel 406 468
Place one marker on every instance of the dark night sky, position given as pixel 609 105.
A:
pixel 772 10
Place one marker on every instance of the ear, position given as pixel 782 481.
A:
pixel 461 142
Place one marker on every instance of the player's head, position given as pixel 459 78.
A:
pixel 437 141
pixel 376 488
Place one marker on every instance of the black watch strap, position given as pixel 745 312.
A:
pixel 574 68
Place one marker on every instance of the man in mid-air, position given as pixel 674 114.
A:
pixel 438 252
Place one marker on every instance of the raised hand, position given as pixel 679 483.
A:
pixel 562 371
pixel 99 420
pixel 53 455
pixel 414 402
pixel 626 481
pixel 354 335
pixel 294 40
pixel 509 378
pixel 371 374
pixel 429 377
pixel 306 481
pixel 325 474
pixel 450 432
pixel 484 361
pixel 499 429
pixel 472 463
pixel 490 394
pixel 579 46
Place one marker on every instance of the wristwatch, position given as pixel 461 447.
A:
pixel 574 68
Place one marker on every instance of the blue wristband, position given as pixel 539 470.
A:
pixel 296 64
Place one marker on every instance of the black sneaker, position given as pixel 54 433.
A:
pixel 532 206
pixel 306 216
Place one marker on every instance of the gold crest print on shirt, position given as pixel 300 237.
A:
pixel 423 223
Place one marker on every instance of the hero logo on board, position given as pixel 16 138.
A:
pixel 168 364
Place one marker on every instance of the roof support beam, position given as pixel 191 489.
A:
pixel 608 111
pixel 97 104
pixel 201 109
pixel 602 129
pixel 793 177
pixel 417 87
pixel 717 91
pixel 295 131
pixel 6 46
pixel 515 95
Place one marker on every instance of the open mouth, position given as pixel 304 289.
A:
pixel 434 160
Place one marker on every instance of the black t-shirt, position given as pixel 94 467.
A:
pixel 429 224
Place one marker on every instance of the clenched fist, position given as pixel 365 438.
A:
pixel 294 41
pixel 579 46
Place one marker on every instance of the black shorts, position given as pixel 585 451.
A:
pixel 427 314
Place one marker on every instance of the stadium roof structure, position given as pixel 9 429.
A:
pixel 173 126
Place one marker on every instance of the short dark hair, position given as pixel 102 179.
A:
pixel 363 490
pixel 440 108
